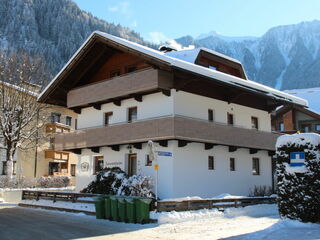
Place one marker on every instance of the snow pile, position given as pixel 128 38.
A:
pixel 299 189
pixel 188 198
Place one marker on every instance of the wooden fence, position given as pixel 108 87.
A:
pixel 212 203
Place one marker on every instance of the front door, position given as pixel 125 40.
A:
pixel 132 164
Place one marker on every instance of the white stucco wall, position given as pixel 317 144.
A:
pixel 196 106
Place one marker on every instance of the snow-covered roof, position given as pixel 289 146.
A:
pixel 312 95
pixel 299 138
pixel 187 66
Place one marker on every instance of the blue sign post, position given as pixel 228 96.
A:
pixel 297 159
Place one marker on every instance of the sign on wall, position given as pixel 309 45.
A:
pixel 297 159
pixel 84 167
pixel 165 154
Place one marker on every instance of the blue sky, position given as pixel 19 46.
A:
pixel 164 19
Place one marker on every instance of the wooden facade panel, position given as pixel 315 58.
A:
pixel 167 128
pixel 118 87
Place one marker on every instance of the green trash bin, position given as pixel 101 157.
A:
pixel 107 207
pixel 99 204
pixel 131 209
pixel 122 209
pixel 114 208
pixel 143 209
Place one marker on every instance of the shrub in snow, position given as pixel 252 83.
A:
pixel 299 191
pixel 53 182
pixel 116 182
pixel 260 191
pixel 42 182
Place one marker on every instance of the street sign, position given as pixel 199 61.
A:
pixel 297 159
pixel 165 154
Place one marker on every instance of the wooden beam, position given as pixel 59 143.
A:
pixel 76 151
pixel 253 150
pixel 96 106
pixel 115 148
pixel 166 92
pixel 208 146
pixel 95 149
pixel 117 102
pixel 163 143
pixel 137 145
pixel 271 153
pixel 138 98
pixel 232 148
pixel 182 143
pixel 76 110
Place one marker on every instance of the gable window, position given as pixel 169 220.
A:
pixel 281 126
pixel 130 69
pixel 210 115
pixel 232 164
pixel 132 114
pixel 55 117
pixel 73 170
pixel 68 120
pixel 211 163
pixel 148 161
pixel 230 119
pixel 115 73
pixel 254 123
pixel 98 164
pixel 255 166
pixel 107 118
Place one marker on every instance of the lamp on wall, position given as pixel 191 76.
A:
pixel 129 148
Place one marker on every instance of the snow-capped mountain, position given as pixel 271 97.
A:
pixel 285 57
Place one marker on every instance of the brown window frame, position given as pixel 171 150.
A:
pixel 96 160
pixel 210 115
pixel 210 162
pixel 129 114
pixel 106 116
pixel 254 123
pixel 232 164
pixel 255 166
pixel 73 169
pixel 228 118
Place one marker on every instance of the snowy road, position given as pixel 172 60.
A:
pixel 255 222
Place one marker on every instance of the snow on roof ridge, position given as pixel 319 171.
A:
pixel 220 55
pixel 178 63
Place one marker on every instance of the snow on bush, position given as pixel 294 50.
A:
pixel 116 182
pixel 299 192
pixel 42 182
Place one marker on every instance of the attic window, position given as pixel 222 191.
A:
pixel 131 68
pixel 212 67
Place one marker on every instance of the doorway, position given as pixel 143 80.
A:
pixel 132 164
pixel 53 167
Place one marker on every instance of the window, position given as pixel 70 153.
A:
pixel 317 127
pixel 68 120
pixel 254 122
pixel 115 73
pixel 51 143
pixel 130 69
pixel 4 168
pixel 232 164
pixel 230 119
pixel 306 128
pixel 14 168
pixel 255 166
pixel 210 163
pixel 76 124
pixel 210 115
pixel 73 170
pixel 132 114
pixel 148 161
pixel 281 127
pixel 55 117
pixel 98 164
pixel 107 118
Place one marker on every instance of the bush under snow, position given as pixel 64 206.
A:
pixel 116 182
pixel 41 182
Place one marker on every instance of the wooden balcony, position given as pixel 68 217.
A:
pixel 167 128
pixel 57 155
pixel 56 128
pixel 120 87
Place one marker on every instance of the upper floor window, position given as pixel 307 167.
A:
pixel 132 114
pixel 98 164
pixel 232 164
pixel 55 117
pixel 131 68
pixel 115 73
pixel 230 119
pixel 73 168
pixel 68 120
pixel 254 123
pixel 281 126
pixel 255 166
pixel 107 118
pixel 210 115
pixel 211 163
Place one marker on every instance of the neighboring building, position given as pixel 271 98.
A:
pixel 291 119
pixel 44 160
pixel 211 125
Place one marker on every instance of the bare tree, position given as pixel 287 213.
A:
pixel 20 113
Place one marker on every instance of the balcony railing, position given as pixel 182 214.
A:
pixel 57 155
pixel 57 128
pixel 167 128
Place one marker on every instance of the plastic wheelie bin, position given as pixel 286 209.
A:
pixel 143 209
pixel 114 208
pixel 99 204
pixel 122 209
pixel 131 209
pixel 107 207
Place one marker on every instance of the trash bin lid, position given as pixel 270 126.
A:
pixel 145 200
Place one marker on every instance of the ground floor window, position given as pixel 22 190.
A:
pixel 132 164
pixel 255 166
pixel 211 163
pixel 73 170
pixel 232 164
pixel 98 164
pixel 148 161
pixel 4 168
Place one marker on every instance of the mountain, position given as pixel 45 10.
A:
pixel 52 29
pixel 285 57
